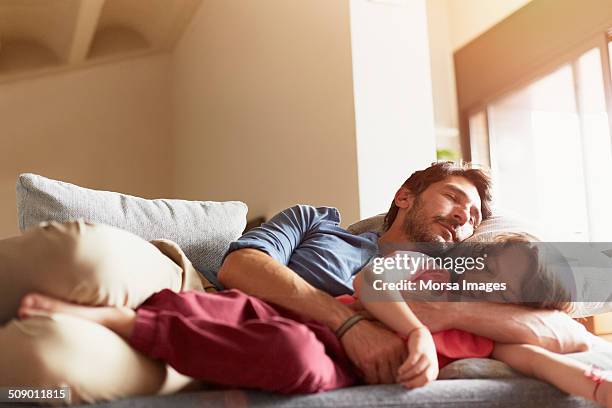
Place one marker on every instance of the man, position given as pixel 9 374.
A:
pixel 301 257
pixel 296 260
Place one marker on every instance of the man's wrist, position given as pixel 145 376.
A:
pixel 348 325
pixel 331 312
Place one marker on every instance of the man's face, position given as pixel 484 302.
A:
pixel 447 211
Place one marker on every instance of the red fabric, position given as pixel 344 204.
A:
pixel 231 339
pixel 456 344
pixel 346 299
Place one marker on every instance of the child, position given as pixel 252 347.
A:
pixel 229 338
pixel 530 275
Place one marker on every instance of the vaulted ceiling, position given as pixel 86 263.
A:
pixel 38 36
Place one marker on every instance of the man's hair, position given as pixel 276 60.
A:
pixel 420 180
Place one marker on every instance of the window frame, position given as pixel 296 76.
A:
pixel 570 57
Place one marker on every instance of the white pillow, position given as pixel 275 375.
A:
pixel 502 222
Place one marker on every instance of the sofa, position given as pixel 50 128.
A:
pixel 510 392
pixel 464 383
pixel 467 383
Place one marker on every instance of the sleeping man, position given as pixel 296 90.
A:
pixel 299 260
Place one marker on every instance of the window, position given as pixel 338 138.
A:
pixel 548 144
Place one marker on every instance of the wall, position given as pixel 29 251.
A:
pixel 470 18
pixel 442 75
pixel 104 127
pixel 393 97
pixel 257 103
pixel 263 106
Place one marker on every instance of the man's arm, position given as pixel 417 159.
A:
pixel 259 275
pixel 552 330
pixel 376 351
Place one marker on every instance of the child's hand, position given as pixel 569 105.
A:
pixel 421 366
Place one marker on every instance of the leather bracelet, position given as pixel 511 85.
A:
pixel 348 323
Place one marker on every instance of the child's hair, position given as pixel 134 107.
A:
pixel 541 287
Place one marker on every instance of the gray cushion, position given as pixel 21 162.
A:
pixel 495 393
pixel 203 229
pixel 483 383
pixel 374 223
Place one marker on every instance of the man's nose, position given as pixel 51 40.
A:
pixel 461 215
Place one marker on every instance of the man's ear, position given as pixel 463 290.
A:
pixel 403 198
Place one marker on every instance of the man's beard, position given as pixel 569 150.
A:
pixel 419 228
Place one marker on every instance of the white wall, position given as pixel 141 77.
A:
pixel 263 105
pixel 105 127
pixel 443 75
pixel 393 97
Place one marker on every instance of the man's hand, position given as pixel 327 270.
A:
pixel 376 351
pixel 421 366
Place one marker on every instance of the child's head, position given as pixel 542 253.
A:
pixel 527 268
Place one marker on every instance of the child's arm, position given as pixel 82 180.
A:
pixel 389 307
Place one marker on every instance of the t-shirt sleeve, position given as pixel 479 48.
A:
pixel 282 234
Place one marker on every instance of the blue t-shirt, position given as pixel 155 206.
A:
pixel 311 243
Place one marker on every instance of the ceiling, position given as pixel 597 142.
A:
pixel 46 35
